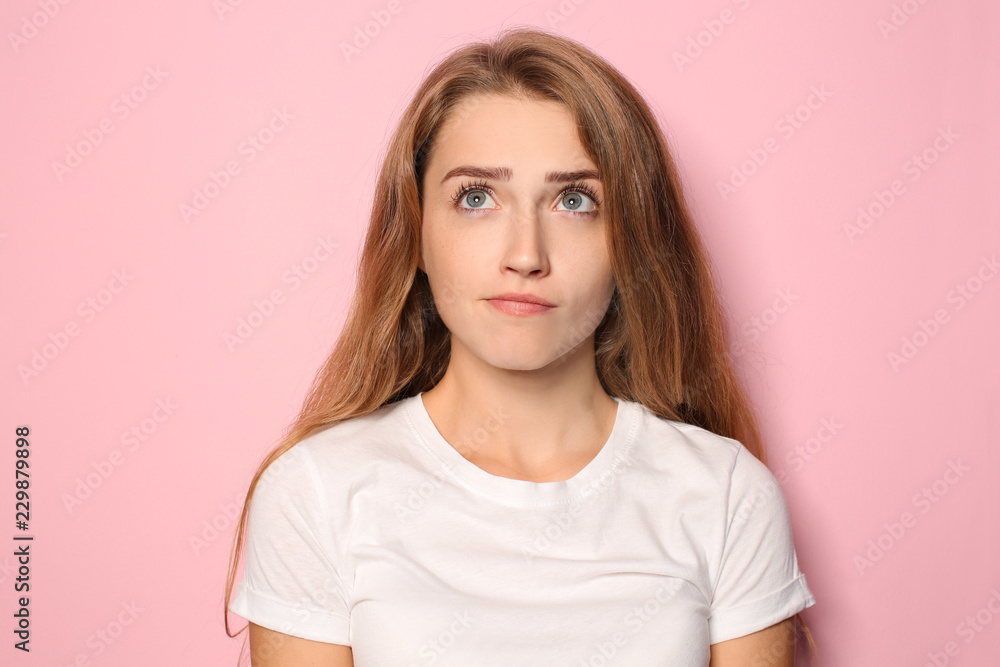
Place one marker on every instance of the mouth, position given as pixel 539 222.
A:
pixel 520 305
pixel 522 297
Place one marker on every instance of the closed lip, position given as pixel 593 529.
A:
pixel 522 296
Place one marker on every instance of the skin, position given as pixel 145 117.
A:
pixel 529 384
pixel 771 647
pixel 537 372
pixel 269 648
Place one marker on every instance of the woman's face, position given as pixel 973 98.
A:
pixel 498 219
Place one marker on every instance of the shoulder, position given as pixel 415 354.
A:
pixel 697 460
pixel 342 453
pixel 665 444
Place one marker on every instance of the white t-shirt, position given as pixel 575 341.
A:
pixel 377 533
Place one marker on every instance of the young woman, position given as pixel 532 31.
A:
pixel 528 446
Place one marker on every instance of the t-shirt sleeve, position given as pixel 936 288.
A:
pixel 758 582
pixel 291 581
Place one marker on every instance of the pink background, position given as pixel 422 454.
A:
pixel 821 302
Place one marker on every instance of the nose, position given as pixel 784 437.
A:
pixel 525 250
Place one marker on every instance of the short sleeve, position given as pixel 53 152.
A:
pixel 758 582
pixel 290 580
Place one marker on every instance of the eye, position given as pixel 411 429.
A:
pixel 473 197
pixel 576 202
pixel 476 199
pixel 579 198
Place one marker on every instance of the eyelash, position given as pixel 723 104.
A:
pixel 582 188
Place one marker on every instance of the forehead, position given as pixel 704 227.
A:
pixel 488 128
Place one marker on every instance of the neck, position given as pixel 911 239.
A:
pixel 524 423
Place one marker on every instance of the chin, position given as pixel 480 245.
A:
pixel 521 359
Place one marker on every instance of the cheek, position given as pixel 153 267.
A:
pixel 597 286
pixel 449 290
pixel 592 264
pixel 447 274
pixel 594 307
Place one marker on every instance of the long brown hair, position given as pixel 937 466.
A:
pixel 663 341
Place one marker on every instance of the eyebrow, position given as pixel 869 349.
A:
pixel 506 173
